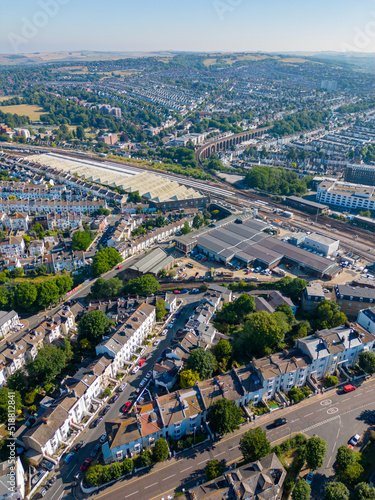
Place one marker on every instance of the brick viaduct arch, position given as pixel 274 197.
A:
pixel 225 143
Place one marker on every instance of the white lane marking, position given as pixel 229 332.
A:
pixel 186 469
pixel 234 447
pixel 308 414
pixel 218 454
pixel 346 399
pixel 166 478
pixel 127 496
pixel 370 390
pixel 150 486
pixel 202 462
pixel 59 488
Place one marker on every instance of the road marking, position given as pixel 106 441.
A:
pixel 218 454
pixel 234 447
pixel 186 469
pixel 332 410
pixel 326 402
pixel 346 399
pixel 308 414
pixel 166 478
pixel 150 486
pixel 131 494
pixel 202 462
pixel 59 488
pixel 370 390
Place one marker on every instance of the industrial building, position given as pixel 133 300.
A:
pixel 306 205
pixel 322 244
pixel 156 189
pixel 151 263
pixel 244 240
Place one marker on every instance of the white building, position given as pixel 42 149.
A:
pixel 12 480
pixel 8 320
pixel 347 195
pixel 322 244
pixel 12 246
pixel 366 319
pixel 16 221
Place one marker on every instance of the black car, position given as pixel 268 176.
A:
pixel 97 422
pixel 79 445
pixel 115 398
pixel 371 418
pixel 106 410
pixel 279 421
pixel 95 451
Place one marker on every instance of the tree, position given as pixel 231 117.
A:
pixel 48 293
pixel 315 452
pixel 47 365
pixel 186 228
pixel 214 469
pixel 363 491
pixel 254 445
pixel 80 132
pixel 224 416
pixel 144 459
pixel 25 296
pixel 351 474
pixel 8 399
pixel 244 305
pixel 81 240
pixel 127 465
pixel 287 310
pixel 93 325
pixel 302 491
pixel 116 470
pixel 134 197
pixel 262 333
pixel 64 284
pixel 366 361
pixel 144 285
pixel 160 452
pixel 197 221
pixel 344 457
pixel 104 260
pixel 38 229
pixel 292 287
pixel 298 394
pixel 336 491
pixel 328 315
pixel 203 362
pixel 4 298
pixel 223 352
pixel 160 309
pixel 42 269
pixel 332 380
pixel 188 378
pixel 93 476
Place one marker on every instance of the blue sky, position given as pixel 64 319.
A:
pixel 187 25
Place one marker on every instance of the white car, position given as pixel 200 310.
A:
pixel 157 342
pixel 354 440
pixel 135 369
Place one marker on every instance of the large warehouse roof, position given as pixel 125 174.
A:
pixel 248 242
pixel 153 187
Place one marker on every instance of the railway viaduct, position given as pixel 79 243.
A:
pixel 224 143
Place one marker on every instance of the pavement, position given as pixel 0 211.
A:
pixel 333 416
pixel 66 472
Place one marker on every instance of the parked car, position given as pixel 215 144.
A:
pixel 143 382
pixel 142 361
pixel 149 374
pixel 126 407
pixel 309 478
pixel 371 418
pixel 69 457
pixel 157 342
pixel 349 388
pixel 115 398
pixel 135 369
pixel 122 387
pixel 46 464
pixel 106 410
pixel 79 445
pixel 85 464
pixel 95 451
pixel 354 440
pixel 103 438
pixel 176 292
pixel 97 422
pixel 185 290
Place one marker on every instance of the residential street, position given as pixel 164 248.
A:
pixel 66 472
pixel 334 417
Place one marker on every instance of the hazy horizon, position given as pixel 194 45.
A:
pixel 29 26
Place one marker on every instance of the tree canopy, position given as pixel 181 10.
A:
pixel 160 452
pixel 144 285
pixel 188 378
pixel 315 452
pixel 6 396
pixel 254 445
pixel 277 180
pixel 104 260
pixel 93 325
pixel 203 362
pixel 328 315
pixel 366 361
pixel 224 416
pixel 81 240
pixel 214 469
pixel 336 491
pixel 302 490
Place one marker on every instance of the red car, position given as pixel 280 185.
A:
pixel 119 267
pixel 176 292
pixel 85 464
pixel 142 361
pixel 126 407
pixel 349 388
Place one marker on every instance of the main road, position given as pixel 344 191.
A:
pixel 333 416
